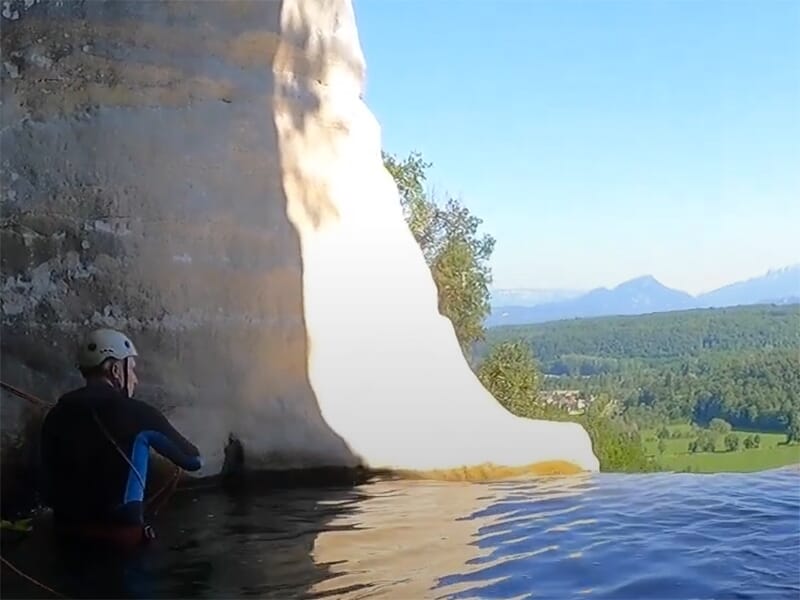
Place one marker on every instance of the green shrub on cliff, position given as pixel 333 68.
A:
pixel 456 254
pixel 509 373
pixel 616 443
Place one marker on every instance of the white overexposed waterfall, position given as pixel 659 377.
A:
pixel 385 366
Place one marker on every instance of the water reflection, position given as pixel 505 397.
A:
pixel 636 536
pixel 603 536
pixel 399 540
pixel 210 545
pixel 251 545
pixel 528 521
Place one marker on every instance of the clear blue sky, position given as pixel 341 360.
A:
pixel 600 140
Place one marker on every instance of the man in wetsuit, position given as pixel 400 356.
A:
pixel 96 441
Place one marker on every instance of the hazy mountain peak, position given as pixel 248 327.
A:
pixel 645 294
pixel 774 286
pixel 643 281
pixel 787 270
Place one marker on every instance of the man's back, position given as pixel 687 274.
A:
pixel 95 451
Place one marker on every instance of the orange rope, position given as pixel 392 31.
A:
pixel 31 579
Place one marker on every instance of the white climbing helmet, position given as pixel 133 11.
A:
pixel 102 344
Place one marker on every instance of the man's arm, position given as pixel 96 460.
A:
pixel 166 440
pixel 45 459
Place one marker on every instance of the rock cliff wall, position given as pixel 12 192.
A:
pixel 206 177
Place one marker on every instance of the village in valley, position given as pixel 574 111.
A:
pixel 575 402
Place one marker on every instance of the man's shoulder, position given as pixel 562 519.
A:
pixel 67 403
pixel 70 406
pixel 88 393
pixel 141 408
pixel 66 397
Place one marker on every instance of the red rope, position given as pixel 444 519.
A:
pixel 31 579
pixel 170 486
pixel 24 395
pixel 33 400
pixel 39 402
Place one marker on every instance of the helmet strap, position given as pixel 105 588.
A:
pixel 125 376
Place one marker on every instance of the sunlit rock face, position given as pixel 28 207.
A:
pixel 206 177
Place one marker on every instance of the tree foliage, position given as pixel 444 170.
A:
pixel 793 427
pixel 735 364
pixel 509 373
pixel 719 426
pixel 456 253
pixel 704 442
pixel 616 442
pixel 607 344
pixel 731 442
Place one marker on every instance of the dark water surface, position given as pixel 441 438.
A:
pixel 603 536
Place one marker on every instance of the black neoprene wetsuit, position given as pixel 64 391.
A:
pixel 86 479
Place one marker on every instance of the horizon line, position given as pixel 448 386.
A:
pixel 787 267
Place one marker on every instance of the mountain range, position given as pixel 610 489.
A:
pixel 531 296
pixel 642 295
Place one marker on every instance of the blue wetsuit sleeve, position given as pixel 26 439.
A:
pixel 167 441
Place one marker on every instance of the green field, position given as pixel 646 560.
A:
pixel 771 453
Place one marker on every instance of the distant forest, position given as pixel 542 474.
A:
pixel 740 364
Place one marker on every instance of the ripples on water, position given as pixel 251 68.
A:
pixel 596 536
